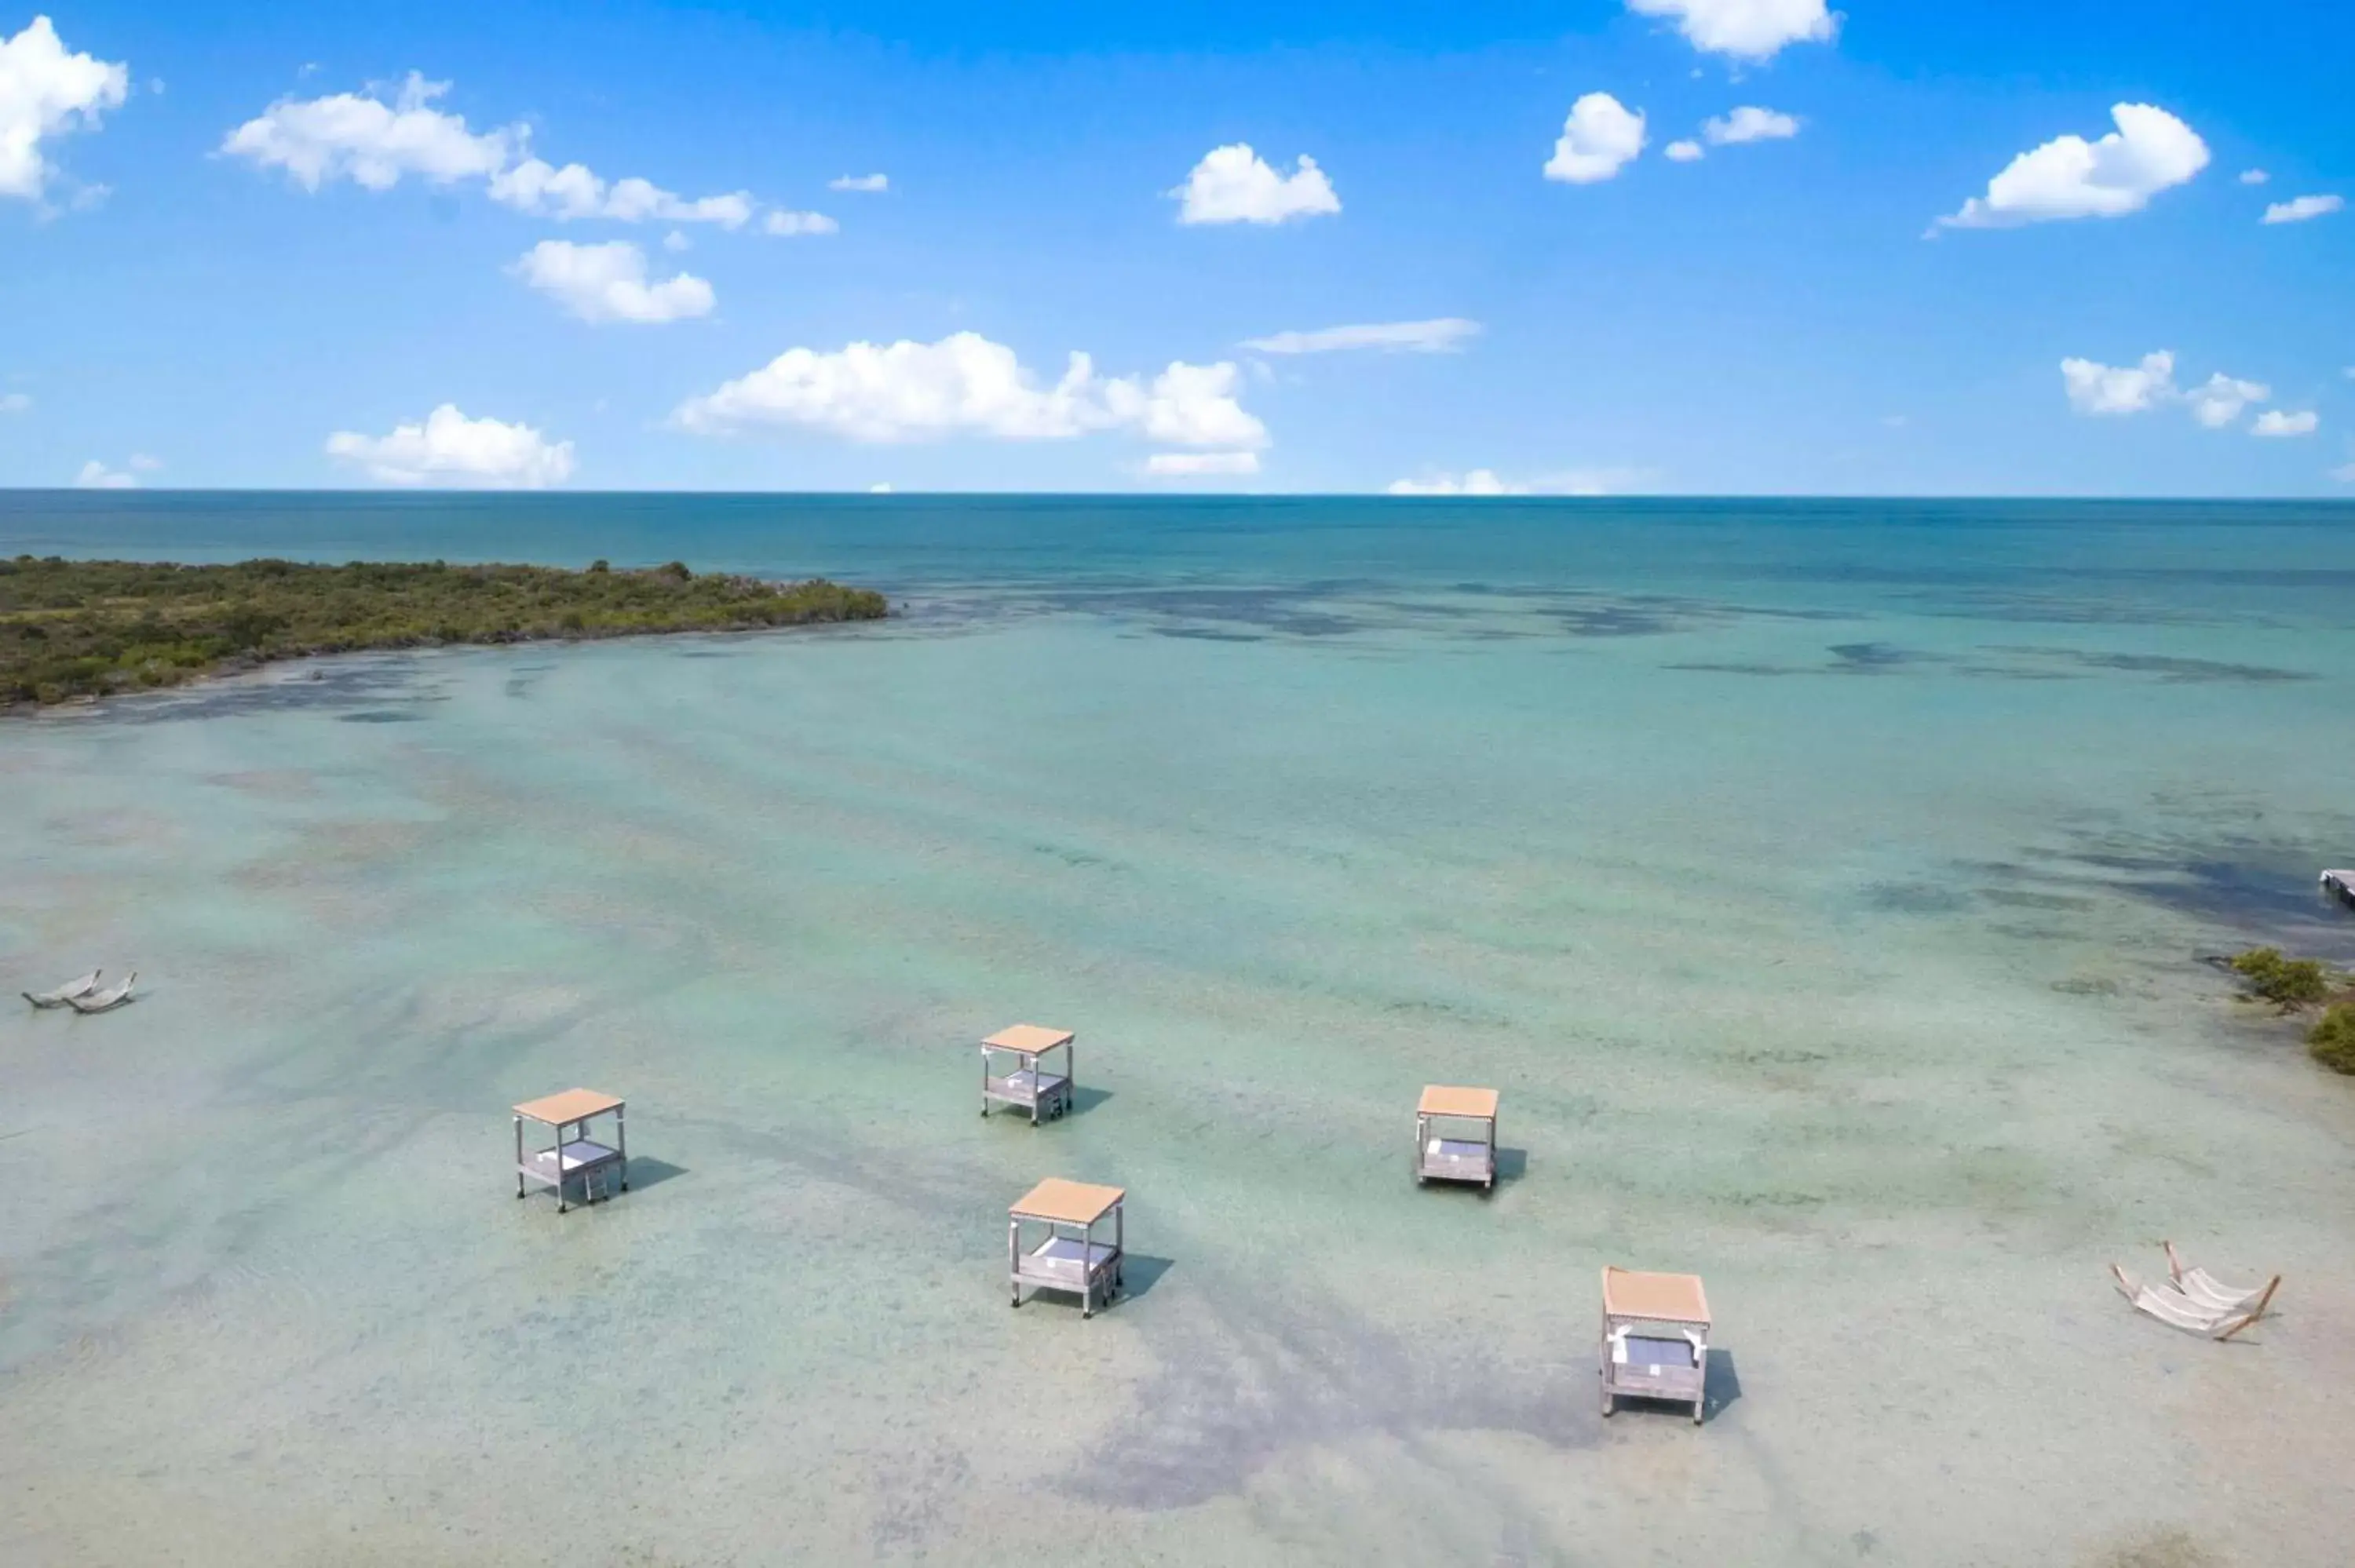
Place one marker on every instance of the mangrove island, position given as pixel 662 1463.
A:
pixel 87 629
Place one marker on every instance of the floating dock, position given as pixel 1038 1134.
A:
pixel 2340 884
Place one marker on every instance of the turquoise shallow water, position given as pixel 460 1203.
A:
pixel 1822 886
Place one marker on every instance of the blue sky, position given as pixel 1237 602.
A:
pixel 1776 316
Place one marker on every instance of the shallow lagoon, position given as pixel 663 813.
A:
pixel 1821 886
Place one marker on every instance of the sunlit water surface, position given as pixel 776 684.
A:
pixel 1822 887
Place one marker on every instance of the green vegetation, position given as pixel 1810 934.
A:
pixel 70 629
pixel 2332 1041
pixel 2285 982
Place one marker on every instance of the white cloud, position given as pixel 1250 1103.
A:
pixel 1752 29
pixel 14 402
pixel 1685 152
pixel 2069 176
pixel 966 384
pixel 2219 400
pixel 142 463
pixel 1576 481
pixel 365 140
pixel 1750 123
pixel 1201 465
pixel 536 186
pixel 2303 209
pixel 96 475
pixel 450 449
pixel 1600 137
pixel 1235 185
pixel 2095 389
pixel 2255 176
pixel 359 137
pixel 44 92
pixel 1443 335
pixel 1478 481
pixel 1189 405
pixel 2274 422
pixel 859 183
pixel 2344 474
pixel 882 489
pixel 608 284
pixel 789 224
pixel 676 242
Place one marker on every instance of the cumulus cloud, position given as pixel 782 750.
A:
pixel 536 186
pixel 2275 422
pixel 1443 335
pixel 1750 30
pixel 790 224
pixel 449 448
pixel 96 475
pixel 608 284
pixel 1576 481
pixel 859 183
pixel 2218 402
pixel 363 139
pixel 14 402
pixel 966 384
pixel 2255 176
pixel 359 137
pixel 1201 465
pixel 1685 152
pixel 1478 481
pixel 2097 388
pixel 1597 140
pixel 1187 405
pixel 1235 185
pixel 2302 208
pixel 47 92
pixel 2150 151
pixel 1750 123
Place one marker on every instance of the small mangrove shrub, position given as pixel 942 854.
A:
pixel 2332 1041
pixel 2285 982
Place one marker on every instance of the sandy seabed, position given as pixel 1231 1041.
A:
pixel 1841 951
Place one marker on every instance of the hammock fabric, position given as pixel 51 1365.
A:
pixel 2195 1300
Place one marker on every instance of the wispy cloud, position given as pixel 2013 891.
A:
pixel 2301 209
pixel 1446 335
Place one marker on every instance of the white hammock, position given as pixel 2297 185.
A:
pixel 2178 1308
pixel 64 994
pixel 2207 1289
pixel 115 995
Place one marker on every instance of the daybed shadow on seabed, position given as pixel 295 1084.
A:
pixel 645 1172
